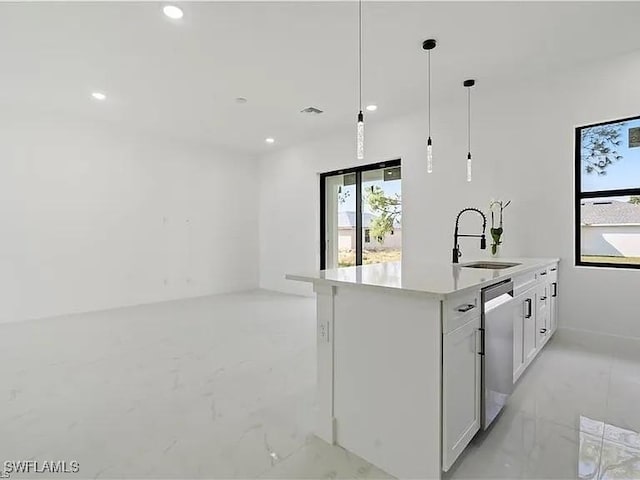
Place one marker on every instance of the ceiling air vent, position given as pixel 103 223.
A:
pixel 311 111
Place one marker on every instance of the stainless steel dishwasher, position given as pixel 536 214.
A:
pixel 497 349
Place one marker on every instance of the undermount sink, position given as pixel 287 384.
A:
pixel 490 265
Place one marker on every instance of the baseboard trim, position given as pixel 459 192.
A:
pixel 577 331
pixel 133 304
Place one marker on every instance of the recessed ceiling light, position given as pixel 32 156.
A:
pixel 372 108
pixel 241 100
pixel 270 140
pixel 173 12
pixel 99 96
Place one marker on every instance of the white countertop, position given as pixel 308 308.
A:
pixel 436 279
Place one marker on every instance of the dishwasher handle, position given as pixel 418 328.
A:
pixel 494 291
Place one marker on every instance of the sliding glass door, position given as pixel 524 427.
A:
pixel 361 215
pixel 340 216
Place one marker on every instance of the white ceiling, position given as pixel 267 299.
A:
pixel 180 78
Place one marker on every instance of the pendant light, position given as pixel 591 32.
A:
pixel 429 45
pixel 360 124
pixel 468 84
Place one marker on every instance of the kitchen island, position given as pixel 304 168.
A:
pixel 399 355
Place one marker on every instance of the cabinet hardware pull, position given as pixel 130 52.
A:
pixel 465 308
pixel 543 298
pixel 543 331
pixel 527 305
pixel 553 269
pixel 554 289
pixel 481 348
pixel 543 273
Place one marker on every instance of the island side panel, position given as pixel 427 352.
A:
pixel 324 396
pixel 387 379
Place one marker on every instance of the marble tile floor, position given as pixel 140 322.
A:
pixel 574 414
pixel 223 387
pixel 212 387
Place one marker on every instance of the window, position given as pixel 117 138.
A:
pixel 361 215
pixel 607 194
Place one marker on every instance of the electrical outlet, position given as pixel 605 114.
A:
pixel 324 331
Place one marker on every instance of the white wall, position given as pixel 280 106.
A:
pixel 523 150
pixel 96 218
pixel 532 128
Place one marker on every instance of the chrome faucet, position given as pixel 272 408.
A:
pixel 483 241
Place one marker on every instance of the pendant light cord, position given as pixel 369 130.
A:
pixel 429 89
pixel 469 119
pixel 360 50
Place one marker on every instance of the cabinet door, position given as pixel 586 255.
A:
pixel 553 307
pixel 529 326
pixel 542 314
pixel 461 373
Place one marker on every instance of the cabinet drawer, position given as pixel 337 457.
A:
pixel 460 309
pixel 552 273
pixel 542 274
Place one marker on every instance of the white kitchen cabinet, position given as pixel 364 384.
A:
pixel 461 385
pixel 543 330
pixel 553 299
pixel 529 332
pixel 524 331
pixel 553 307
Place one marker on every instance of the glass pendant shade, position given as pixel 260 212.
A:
pixel 468 84
pixel 360 137
pixel 429 45
pixel 360 124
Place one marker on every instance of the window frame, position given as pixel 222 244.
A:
pixel 579 195
pixel 359 230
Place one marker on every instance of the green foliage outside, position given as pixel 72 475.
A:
pixel 387 212
pixel 599 147
pixel 347 258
